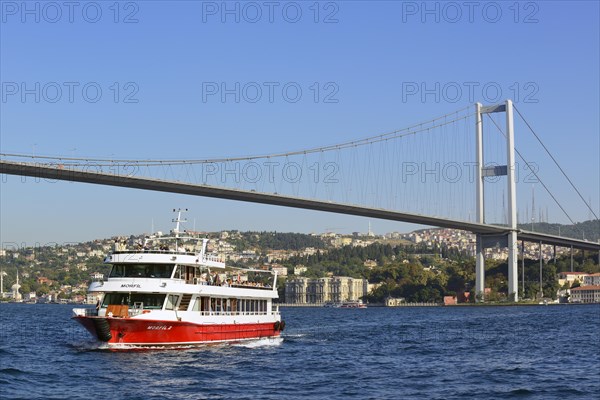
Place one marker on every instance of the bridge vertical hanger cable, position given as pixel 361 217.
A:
pixel 467 127
pixel 464 205
pixel 354 176
pixel 372 177
pixel 556 162
pixel 304 167
pixel 186 169
pixel 193 171
pixel 411 130
pixel 339 165
pixel 380 184
pixel 395 173
pixel 382 181
pixel 450 143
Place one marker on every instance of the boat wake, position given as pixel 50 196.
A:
pixel 264 342
pixel 88 346
pixel 250 344
pixel 294 335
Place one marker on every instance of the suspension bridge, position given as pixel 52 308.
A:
pixel 433 173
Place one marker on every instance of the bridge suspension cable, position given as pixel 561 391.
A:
pixel 535 174
pixel 425 126
pixel 556 162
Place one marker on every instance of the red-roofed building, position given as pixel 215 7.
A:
pixel 585 294
pixel 42 280
pixel 592 279
pixel 571 277
pixel 450 300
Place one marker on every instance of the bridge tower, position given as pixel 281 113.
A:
pixel 510 238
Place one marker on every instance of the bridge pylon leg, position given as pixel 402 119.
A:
pixel 513 275
pixel 479 270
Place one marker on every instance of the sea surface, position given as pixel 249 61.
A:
pixel 530 352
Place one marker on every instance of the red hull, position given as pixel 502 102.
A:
pixel 139 332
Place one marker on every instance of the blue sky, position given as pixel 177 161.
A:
pixel 156 64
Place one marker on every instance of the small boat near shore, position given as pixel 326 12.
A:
pixel 353 304
pixel 345 304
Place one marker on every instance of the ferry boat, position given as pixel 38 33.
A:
pixel 169 291
pixel 353 304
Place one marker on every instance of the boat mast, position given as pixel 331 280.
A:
pixel 178 221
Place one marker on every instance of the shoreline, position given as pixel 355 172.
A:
pixel 531 304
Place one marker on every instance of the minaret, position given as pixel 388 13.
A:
pixel 15 289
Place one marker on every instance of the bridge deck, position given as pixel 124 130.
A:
pixel 60 173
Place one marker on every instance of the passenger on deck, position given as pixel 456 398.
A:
pixel 203 278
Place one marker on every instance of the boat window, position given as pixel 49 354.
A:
pixel 172 300
pixel 201 304
pixel 150 301
pixel 141 270
pixel 197 304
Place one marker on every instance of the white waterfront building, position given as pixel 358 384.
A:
pixel 335 289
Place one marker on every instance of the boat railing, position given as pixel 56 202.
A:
pixel 233 313
pixel 212 257
pixel 85 312
pixel 155 251
pixel 137 309
pixel 251 285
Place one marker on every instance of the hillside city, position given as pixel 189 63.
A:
pixel 430 266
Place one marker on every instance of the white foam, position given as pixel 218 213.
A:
pixel 264 342
pixel 294 335
pixel 89 346
pixel 248 343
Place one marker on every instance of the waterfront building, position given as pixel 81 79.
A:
pixel 334 289
pixel 591 280
pixel 295 290
pixel 450 300
pixel 394 302
pixel 31 296
pixel 570 278
pixel 585 294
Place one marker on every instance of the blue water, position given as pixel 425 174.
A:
pixel 536 352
